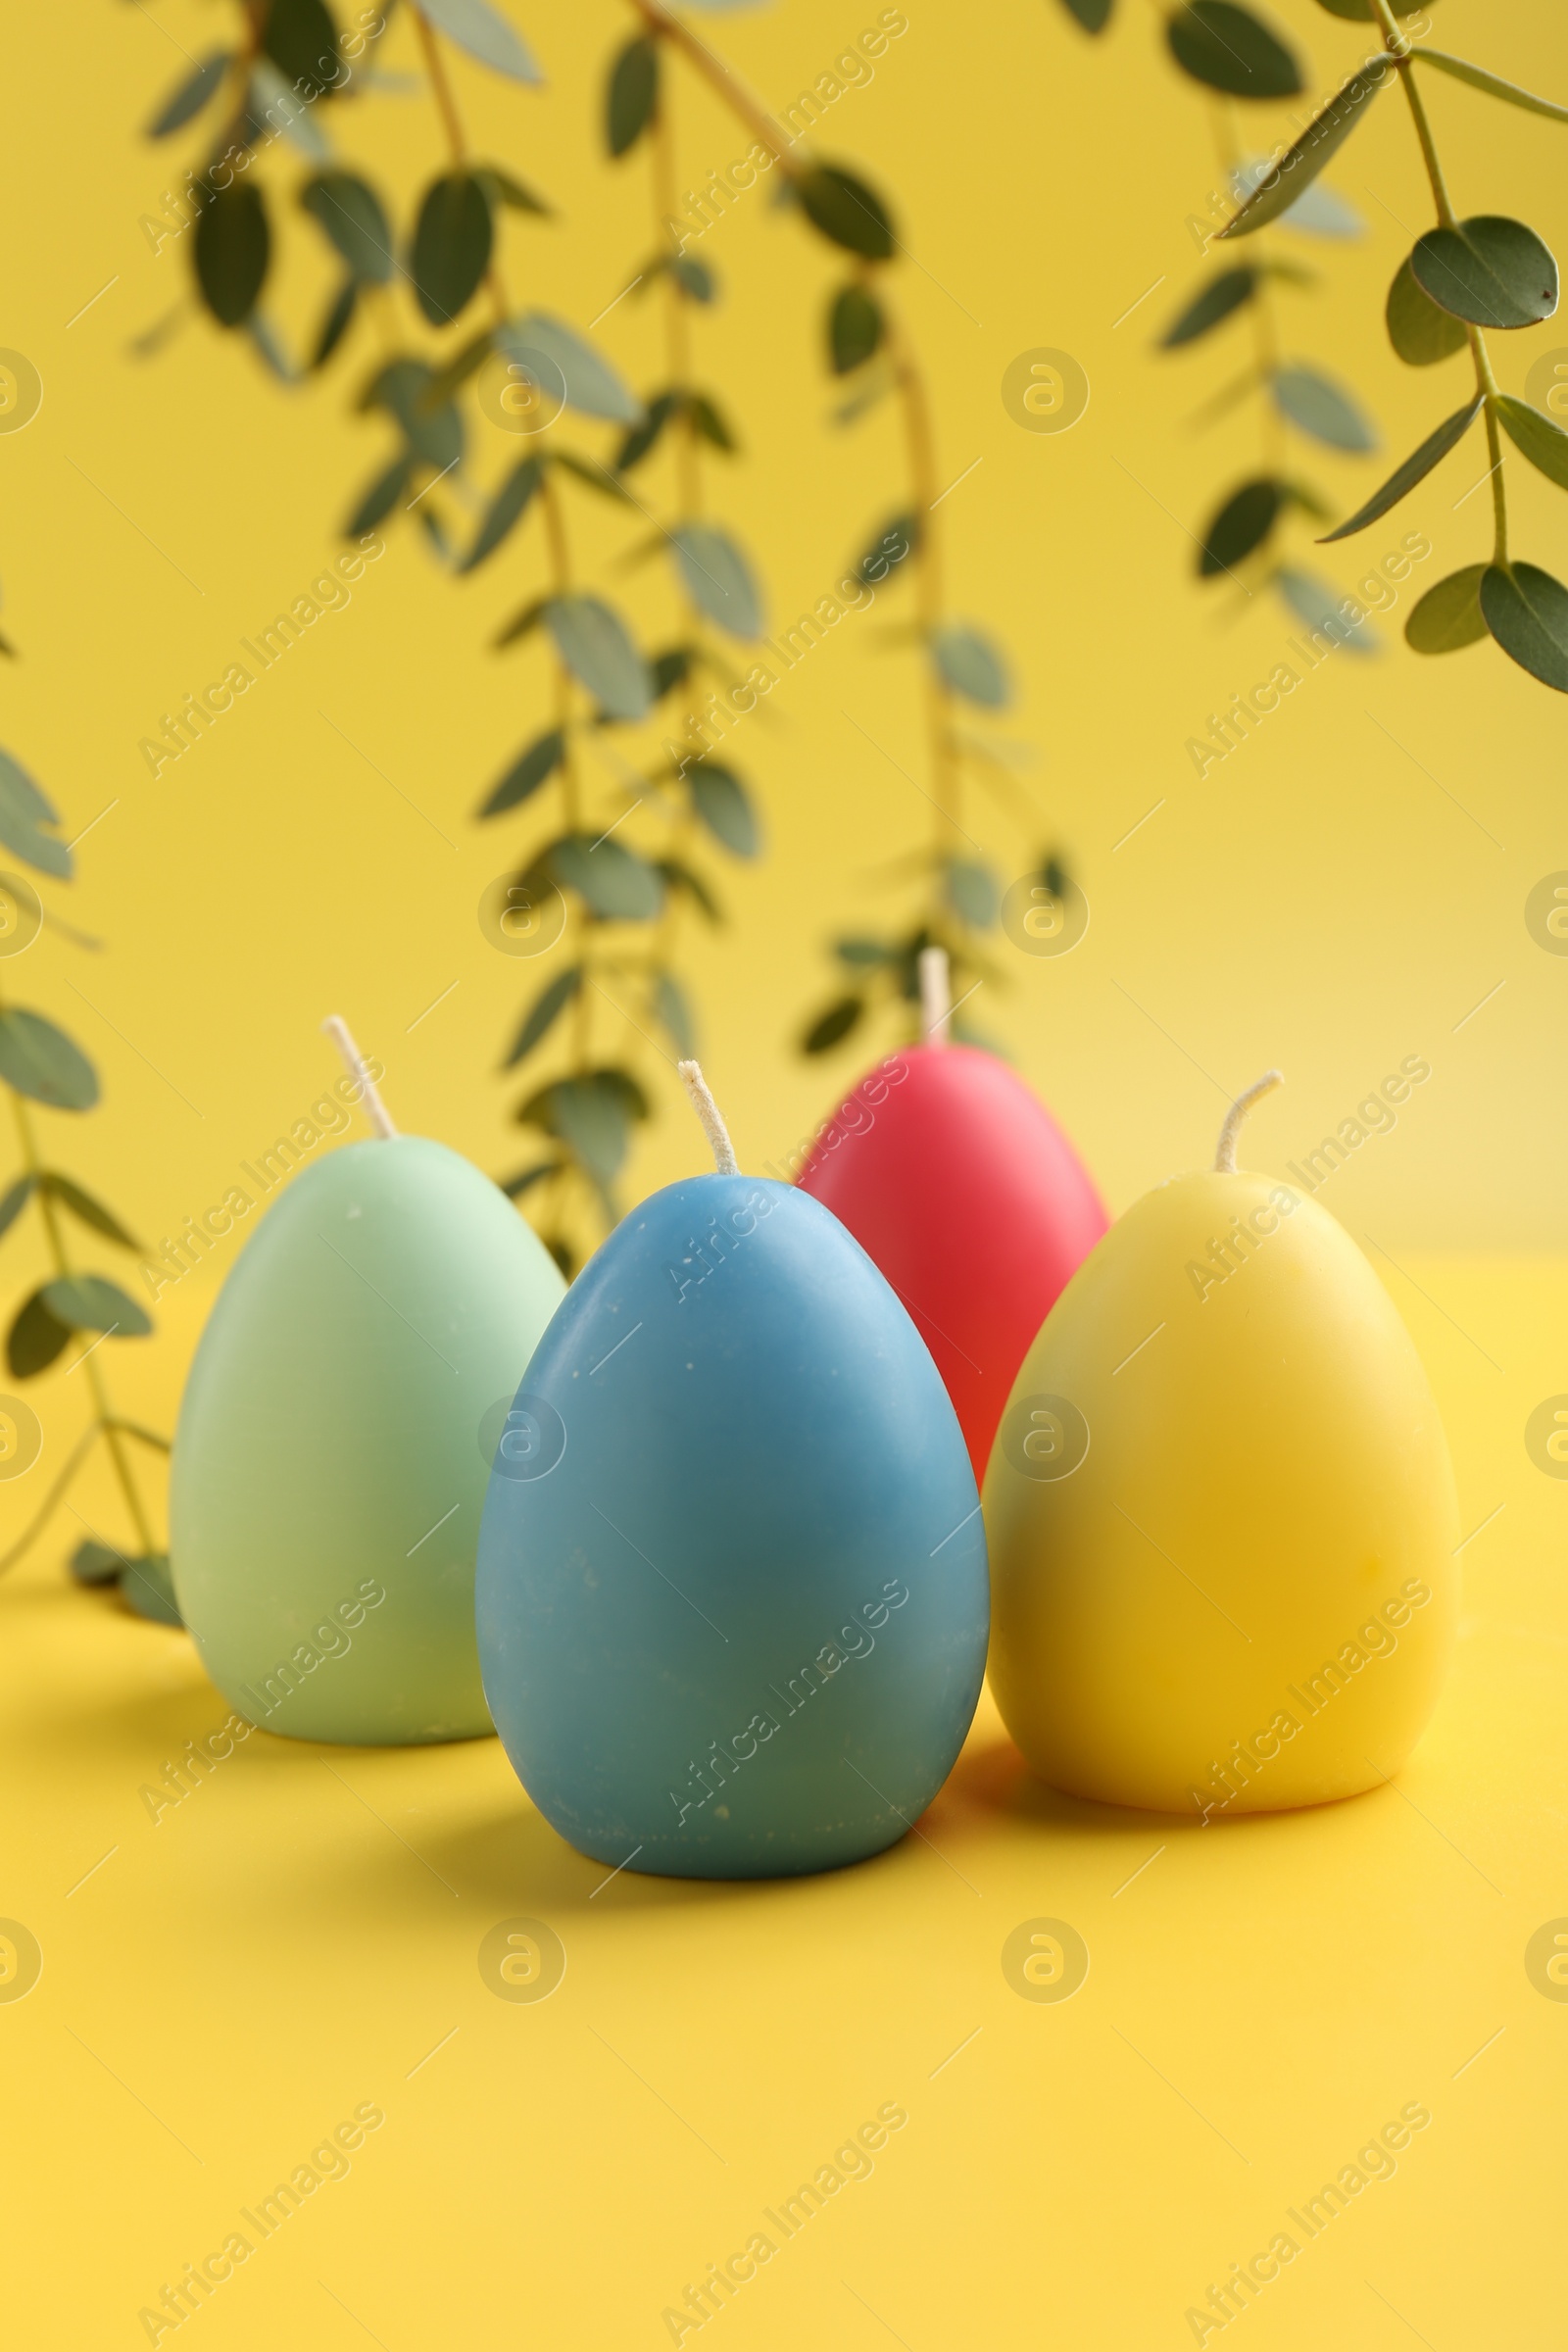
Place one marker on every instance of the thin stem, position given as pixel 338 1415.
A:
pixel 677 333
pixel 920 444
pixel 1264 320
pixel 719 75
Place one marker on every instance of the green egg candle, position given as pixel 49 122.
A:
pixel 334 1441
pixel 732 1577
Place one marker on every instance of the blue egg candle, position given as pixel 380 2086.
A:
pixel 732 1593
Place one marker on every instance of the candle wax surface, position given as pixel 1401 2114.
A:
pixel 732 1577
pixel 1221 1515
pixel 334 1443
pixel 959 1184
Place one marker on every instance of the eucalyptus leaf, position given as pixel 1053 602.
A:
pixel 1209 306
pixel 894 544
pixel 672 1010
pixel 452 242
pixel 302 41
pixel 1417 465
pixel 717 579
pixel 35 1339
pixel 522 622
pixel 95 1563
pixel 972 892
pixel 233 244
pixel 402 389
pixel 15 1199
pixel 642 437
pixel 1317 606
pixel 533 768
pixel 970 664
pixel 1492 83
pixel 272 101
pixel 42 1062
pixel 1242 523
pixel 186 99
pixel 856 328
pixel 1527 612
pixel 631 95
pixel 1093 15
pixel 525 1179
pixel 350 211
pixel 597 477
pixel 1450 615
pixel 592 640
pixel 725 806
pixel 147 1587
pixel 1229 48
pixel 503 188
pixel 1317 406
pixel 541 1017
pixel 1284 183
pixel 592 386
pixel 709 422
pixel 83 1207
pixel 24 811
pixel 833 1025
pixel 339 317
pixel 1361 12
pixel 592 1115
pixel 846 211
pixel 1492 270
pixel 611 880
pixel 1421 334
pixel 1543 443
pixel 694 278
pixel 380 498
pixel 1319 210
pixel 485 35
pixel 87 1302
pixel 678 875
pixel 505 511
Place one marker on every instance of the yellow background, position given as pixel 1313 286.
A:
pixel 271 1954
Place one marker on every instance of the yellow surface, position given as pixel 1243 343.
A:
pixel 298 1935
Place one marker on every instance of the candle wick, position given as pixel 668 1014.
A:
pixel 1225 1154
pixel 337 1029
pixel 707 1109
pixel 936 997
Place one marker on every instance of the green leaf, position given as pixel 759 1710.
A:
pixel 87 1302
pixel 1492 270
pixel 1216 300
pixel 592 640
pixel 547 1009
pixel 1227 48
pixel 725 806
pixel 349 212
pixel 1421 334
pixel 1543 443
pixel 589 383
pixel 856 328
pixel 1527 612
pixel 451 242
pixel 95 1563
pixel 677 876
pixel 709 424
pixel 694 278
pixel 673 1014
pixel 1317 606
pixel 273 106
pixel 591 1115
pixel 1492 83
pixel 1287 181
pixel 335 325
pixel 642 437
pixel 972 892
pixel 522 622
pixel 405 389
pixel 485 35
pixel 35 1339
pixel 16 1200
pixel 1317 406
pixel 233 244
pixel 1417 465
pixel 669 670
pixel 896 542
pixel 24 811
pixel 379 499
pixel 1093 15
pixel 503 188
pixel 613 881
pixel 717 579
pixel 970 664
pixel 861 954
pixel 1241 524
pixel 846 211
pixel 40 1061
pixel 535 767
pixel 505 511
pixel 147 1586
pixel 301 39
pixel 189 96
pixel 631 95
pixel 597 477
pixel 527 1178
pixel 833 1025
pixel 1450 615
pixel 1361 12
pixel 82 1205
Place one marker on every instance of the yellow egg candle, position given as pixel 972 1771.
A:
pixel 1221 1512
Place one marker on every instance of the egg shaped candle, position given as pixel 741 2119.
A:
pixel 1221 1512
pixel 956 1179
pixel 331 1461
pixel 732 1588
